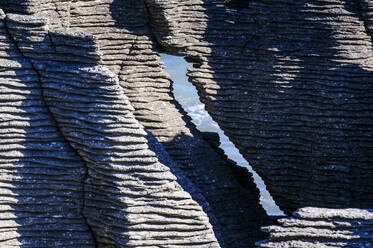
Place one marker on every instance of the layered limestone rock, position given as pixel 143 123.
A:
pixel 289 83
pixel 41 176
pixel 121 29
pixel 366 9
pixel 123 26
pixel 322 228
pixel 77 170
pixel 56 11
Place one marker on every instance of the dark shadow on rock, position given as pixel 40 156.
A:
pixel 41 175
pixel 130 15
pixel 294 97
pixel 226 197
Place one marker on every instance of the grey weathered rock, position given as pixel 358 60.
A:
pixel 290 83
pixel 75 157
pixel 56 11
pixel 322 228
pixel 227 192
pixel 41 176
pixel 124 26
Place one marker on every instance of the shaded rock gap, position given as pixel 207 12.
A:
pixel 86 173
pixel 190 102
pixel 172 128
pixel 240 64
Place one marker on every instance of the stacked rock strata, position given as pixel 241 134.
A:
pixel 77 170
pixel 322 228
pixel 57 11
pixel 41 176
pixel 123 26
pixel 366 9
pixel 226 192
pixel 289 83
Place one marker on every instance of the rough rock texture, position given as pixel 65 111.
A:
pixel 41 176
pixel 123 26
pixel 57 11
pixel 227 193
pixel 322 228
pixel 290 83
pixel 366 9
pixel 75 161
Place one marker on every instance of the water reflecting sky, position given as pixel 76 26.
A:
pixel 186 94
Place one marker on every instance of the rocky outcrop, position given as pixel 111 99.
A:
pixel 366 14
pixel 226 192
pixel 124 26
pixel 322 228
pixel 56 11
pixel 41 176
pixel 76 166
pixel 288 82
pixel 96 151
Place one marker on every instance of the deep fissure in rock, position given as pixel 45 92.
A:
pixel 186 94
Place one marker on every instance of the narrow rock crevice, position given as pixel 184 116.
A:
pixel 86 169
pixel 240 177
pixel 188 101
pixel 148 88
pixel 266 73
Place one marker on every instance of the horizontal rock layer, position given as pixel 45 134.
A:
pixel 289 83
pixel 57 11
pixel 322 228
pixel 125 195
pixel 128 50
pixel 41 176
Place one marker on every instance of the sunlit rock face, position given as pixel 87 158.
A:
pixel 92 136
pixel 290 83
pixel 122 43
pixel 76 166
pixel 41 176
pixel 321 227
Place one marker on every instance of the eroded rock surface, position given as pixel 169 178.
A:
pixel 41 176
pixel 322 228
pixel 290 83
pixel 76 167
pixel 124 26
pixel 121 29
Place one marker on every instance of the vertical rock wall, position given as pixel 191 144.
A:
pixel 290 83
pixel 128 50
pixel 41 176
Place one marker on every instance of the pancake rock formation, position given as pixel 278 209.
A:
pixel 96 152
pixel 126 47
pixel 322 228
pixel 290 83
pixel 76 168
